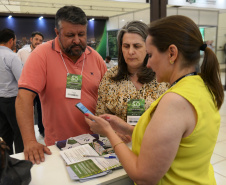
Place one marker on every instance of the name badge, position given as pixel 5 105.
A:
pixel 135 108
pixel 74 86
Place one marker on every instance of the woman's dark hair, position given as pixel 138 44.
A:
pixel 185 35
pixel 144 74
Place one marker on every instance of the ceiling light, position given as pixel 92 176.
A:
pixel 10 16
pixel 40 18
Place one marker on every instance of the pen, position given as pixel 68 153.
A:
pixel 106 157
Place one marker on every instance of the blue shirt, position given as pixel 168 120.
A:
pixel 10 71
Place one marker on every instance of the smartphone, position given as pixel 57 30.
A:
pixel 83 109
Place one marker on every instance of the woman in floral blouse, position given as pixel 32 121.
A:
pixel 131 79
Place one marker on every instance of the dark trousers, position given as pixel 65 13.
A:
pixel 9 129
pixel 39 114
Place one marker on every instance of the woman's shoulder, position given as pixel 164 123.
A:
pixel 111 72
pixel 155 84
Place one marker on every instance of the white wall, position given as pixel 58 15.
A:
pixel 200 17
pixel 221 38
pixel 211 34
pixel 117 22
pixel 143 15
pixel 123 19
pixel 192 14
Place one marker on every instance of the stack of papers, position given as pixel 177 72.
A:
pixel 80 167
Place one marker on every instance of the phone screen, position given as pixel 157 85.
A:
pixel 82 108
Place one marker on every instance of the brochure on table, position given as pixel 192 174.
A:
pixel 83 139
pixel 84 168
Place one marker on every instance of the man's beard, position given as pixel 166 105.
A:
pixel 77 52
pixel 71 52
pixel 33 46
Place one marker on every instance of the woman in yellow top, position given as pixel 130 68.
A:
pixel 174 139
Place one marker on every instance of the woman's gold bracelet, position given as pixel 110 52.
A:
pixel 117 144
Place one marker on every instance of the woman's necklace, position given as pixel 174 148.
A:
pixel 189 74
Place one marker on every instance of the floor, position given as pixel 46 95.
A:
pixel 218 159
pixel 219 155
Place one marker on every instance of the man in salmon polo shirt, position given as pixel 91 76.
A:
pixel 63 72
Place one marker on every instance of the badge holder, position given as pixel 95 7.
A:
pixel 135 108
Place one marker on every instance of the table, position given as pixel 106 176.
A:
pixel 53 172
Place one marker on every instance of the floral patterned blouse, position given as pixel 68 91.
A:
pixel 113 96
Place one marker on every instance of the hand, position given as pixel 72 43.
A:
pixel 98 125
pixel 118 124
pixel 34 152
pixel 125 138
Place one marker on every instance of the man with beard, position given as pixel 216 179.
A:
pixel 36 39
pixel 10 71
pixel 63 72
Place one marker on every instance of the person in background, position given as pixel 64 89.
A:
pixel 175 138
pixel 10 71
pixel 127 90
pixel 210 44
pixel 36 39
pixel 64 71
pixel 108 62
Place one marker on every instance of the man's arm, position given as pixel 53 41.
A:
pixel 33 150
pixel 16 67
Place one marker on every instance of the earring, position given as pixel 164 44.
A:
pixel 171 62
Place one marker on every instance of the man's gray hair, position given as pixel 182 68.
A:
pixel 72 14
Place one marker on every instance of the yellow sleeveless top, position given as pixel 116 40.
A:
pixel 191 165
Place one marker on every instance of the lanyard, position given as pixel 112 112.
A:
pixel 66 65
pixel 190 74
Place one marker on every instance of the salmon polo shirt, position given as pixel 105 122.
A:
pixel 45 73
